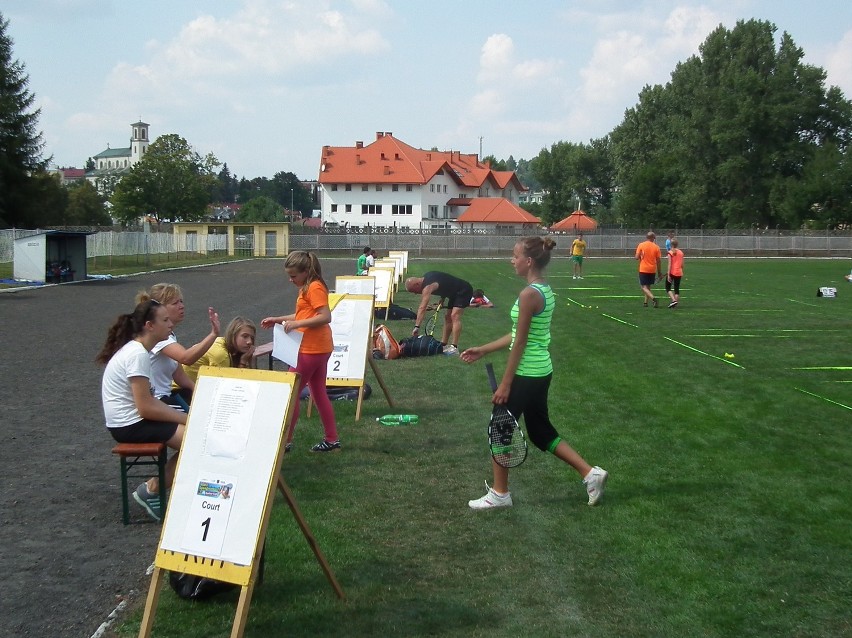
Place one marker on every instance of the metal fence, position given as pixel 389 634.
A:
pixel 602 242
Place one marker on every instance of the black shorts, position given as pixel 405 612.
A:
pixel 145 431
pixel 647 278
pixel 460 298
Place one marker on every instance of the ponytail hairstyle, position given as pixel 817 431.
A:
pixel 305 261
pixel 234 328
pixel 126 328
pixel 163 293
pixel 538 249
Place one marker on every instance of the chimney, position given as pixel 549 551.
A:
pixel 379 135
pixel 388 134
pixel 359 144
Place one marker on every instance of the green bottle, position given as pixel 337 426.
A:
pixel 398 419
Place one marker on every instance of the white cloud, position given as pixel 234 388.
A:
pixel 838 65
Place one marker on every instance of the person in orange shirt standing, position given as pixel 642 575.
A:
pixel 313 319
pixel 648 256
pixel 675 273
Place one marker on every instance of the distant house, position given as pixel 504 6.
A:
pixel 69 175
pixel 492 213
pixel 389 183
pixel 112 164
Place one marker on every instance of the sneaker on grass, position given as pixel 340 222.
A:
pixel 655 302
pixel 150 502
pixel 450 350
pixel 491 500
pixel 326 446
pixel 672 304
pixel 595 483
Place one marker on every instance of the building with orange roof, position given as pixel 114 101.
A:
pixel 390 184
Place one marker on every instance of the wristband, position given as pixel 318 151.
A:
pixel 417 327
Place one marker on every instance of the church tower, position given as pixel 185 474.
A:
pixel 138 142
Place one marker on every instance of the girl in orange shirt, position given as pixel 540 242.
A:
pixel 675 274
pixel 313 319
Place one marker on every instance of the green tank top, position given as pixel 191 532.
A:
pixel 535 361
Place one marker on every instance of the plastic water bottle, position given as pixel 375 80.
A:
pixel 398 419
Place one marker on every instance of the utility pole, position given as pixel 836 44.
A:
pixel 480 147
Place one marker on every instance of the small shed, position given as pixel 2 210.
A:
pixel 52 256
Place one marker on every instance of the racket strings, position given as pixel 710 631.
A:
pixel 507 441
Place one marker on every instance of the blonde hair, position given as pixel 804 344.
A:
pixel 162 293
pixel 305 261
pixel 234 328
pixel 538 249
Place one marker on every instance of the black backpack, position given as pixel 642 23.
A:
pixel 420 346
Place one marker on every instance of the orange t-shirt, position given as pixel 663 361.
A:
pixel 676 262
pixel 316 340
pixel 648 253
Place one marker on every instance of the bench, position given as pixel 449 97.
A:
pixel 135 455
pixel 262 351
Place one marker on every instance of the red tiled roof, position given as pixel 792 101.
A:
pixel 390 161
pixel 73 173
pixel 496 210
pixel 578 220
pixel 459 201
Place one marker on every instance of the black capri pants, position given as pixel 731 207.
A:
pixel 528 398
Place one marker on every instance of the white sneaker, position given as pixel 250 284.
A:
pixel 450 350
pixel 490 500
pixel 595 483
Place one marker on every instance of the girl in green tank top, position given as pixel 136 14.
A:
pixel 525 383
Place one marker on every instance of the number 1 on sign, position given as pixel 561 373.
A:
pixel 208 516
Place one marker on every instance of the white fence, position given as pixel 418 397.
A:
pixel 603 243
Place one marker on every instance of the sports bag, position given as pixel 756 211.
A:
pixel 384 343
pixel 420 346
pixel 395 312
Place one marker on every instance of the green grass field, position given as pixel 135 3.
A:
pixel 728 509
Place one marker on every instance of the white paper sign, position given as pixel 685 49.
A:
pixel 208 517
pixel 285 345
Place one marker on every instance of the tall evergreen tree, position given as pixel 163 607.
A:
pixel 21 144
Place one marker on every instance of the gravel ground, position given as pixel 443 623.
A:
pixel 68 559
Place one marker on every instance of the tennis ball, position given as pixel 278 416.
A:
pixel 729 355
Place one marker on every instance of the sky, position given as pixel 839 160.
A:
pixel 264 84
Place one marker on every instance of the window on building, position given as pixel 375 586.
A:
pixel 401 209
pixel 348 208
pixel 334 187
pixel 371 209
pixel 433 212
pixel 364 187
pixel 432 188
pixel 445 189
pixel 349 187
pixel 334 208
pixel 395 187
pixel 378 187
pixel 409 187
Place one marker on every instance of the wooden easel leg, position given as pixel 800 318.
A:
pixel 306 531
pixel 358 406
pixel 242 610
pixel 151 603
pixel 381 381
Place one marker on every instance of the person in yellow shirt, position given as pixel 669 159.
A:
pixel 648 256
pixel 234 350
pixel 578 247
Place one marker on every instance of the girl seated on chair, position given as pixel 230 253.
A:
pixel 171 384
pixel 234 350
pixel 132 413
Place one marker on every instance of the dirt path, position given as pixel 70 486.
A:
pixel 67 558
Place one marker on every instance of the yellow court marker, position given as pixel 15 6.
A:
pixel 706 354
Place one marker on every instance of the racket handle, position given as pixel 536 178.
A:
pixel 489 368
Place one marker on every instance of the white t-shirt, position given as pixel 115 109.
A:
pixel 371 261
pixel 162 368
pixel 131 360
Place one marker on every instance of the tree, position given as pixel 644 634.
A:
pixel 86 206
pixel 171 183
pixel 728 141
pixel 260 209
pixel 21 144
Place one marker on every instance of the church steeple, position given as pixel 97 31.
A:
pixel 138 141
